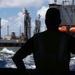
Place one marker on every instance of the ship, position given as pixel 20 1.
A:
pixel 67 12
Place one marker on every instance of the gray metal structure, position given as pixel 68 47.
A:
pixel 7 29
pixel 37 24
pixel 20 31
pixel 67 11
pixel 0 28
pixel 27 24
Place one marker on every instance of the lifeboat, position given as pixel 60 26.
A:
pixel 63 29
pixel 72 29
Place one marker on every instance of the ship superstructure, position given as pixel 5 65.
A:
pixel 67 12
pixel 27 24
pixel 0 28
pixel 37 24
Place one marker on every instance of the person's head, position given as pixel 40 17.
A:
pixel 52 18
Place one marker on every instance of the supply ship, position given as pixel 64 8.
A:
pixel 67 12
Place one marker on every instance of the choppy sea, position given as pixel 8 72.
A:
pixel 7 62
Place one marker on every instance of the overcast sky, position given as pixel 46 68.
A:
pixel 11 13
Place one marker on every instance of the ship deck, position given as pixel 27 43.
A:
pixel 11 43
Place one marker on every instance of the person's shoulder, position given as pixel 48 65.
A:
pixel 38 34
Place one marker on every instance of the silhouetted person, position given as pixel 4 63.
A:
pixel 51 48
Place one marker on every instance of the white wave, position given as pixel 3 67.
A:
pixel 29 62
pixel 73 58
pixel 10 64
pixel 5 50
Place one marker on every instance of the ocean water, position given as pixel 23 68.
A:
pixel 7 62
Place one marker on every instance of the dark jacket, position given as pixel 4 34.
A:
pixel 50 60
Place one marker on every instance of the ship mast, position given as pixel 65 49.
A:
pixel 72 2
pixel 20 30
pixel 27 24
pixel 55 1
pixel 37 24
pixel 7 29
pixel 0 28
